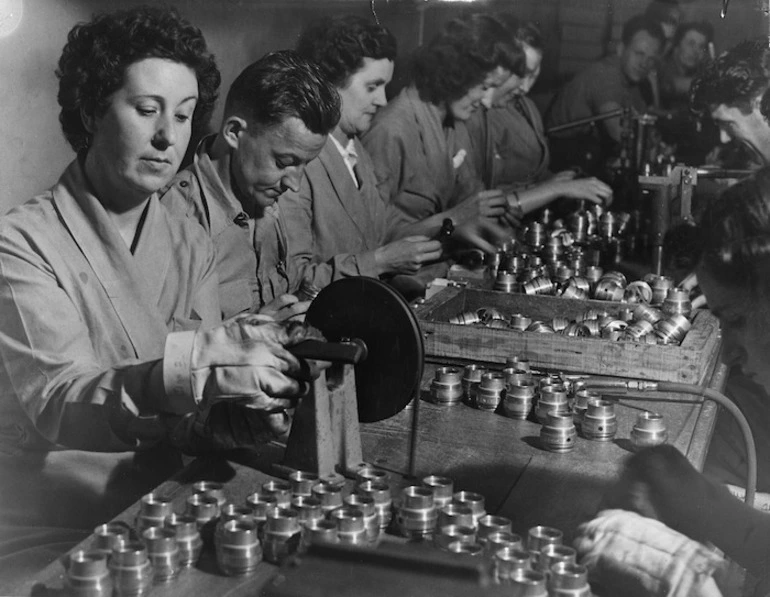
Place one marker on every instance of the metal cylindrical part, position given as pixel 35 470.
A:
pixel 490 391
pixel 660 287
pixel 673 329
pixel 416 513
pixel 553 554
pixel 539 285
pixel 475 501
pixel 608 290
pixel 260 505
pixel 520 322
pixel 211 488
pixel 540 536
pixel 471 379
pixel 351 526
pixel 188 538
pixel 466 318
pixel 302 482
pixel 509 560
pixel 131 570
pixel 368 472
pixel 514 376
pixel 465 549
pixel 553 399
pixel 308 508
pixel 527 583
pixel 649 430
pixel 580 405
pixel 638 292
pixel 446 387
pixel 599 421
pixel 330 496
pixel 677 302
pixel 535 235
pixel 280 489
pixel 204 508
pixel 238 548
pixel 558 433
pixel 497 540
pixel 647 313
pixel 489 524
pixel 442 487
pixel 365 503
pixel 448 534
pixel 107 536
pixel 506 281
pixel 87 574
pixel 383 502
pixel 153 509
pixel 163 552
pixel 639 328
pixel 518 400
pixel 234 511
pixel 568 580
pixel 281 534
pixel 456 514
pixel 319 531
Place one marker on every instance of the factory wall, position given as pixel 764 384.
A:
pixel 33 151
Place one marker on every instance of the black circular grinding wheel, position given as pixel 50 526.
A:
pixel 366 308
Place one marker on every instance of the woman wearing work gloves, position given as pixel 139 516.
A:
pixel 100 384
pixel 734 273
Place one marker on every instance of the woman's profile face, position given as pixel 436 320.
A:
pixel 745 323
pixel 140 140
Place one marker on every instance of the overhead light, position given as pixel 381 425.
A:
pixel 10 16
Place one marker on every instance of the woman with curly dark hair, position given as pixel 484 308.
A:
pixel 105 378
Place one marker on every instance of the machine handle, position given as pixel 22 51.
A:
pixel 349 352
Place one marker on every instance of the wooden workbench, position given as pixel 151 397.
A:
pixel 482 452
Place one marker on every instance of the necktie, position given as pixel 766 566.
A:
pixel 353 161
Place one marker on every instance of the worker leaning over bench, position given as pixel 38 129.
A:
pixel 277 116
pixel 113 355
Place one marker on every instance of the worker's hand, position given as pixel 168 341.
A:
pixel 492 205
pixel 627 554
pixel 407 255
pixel 486 235
pixel 587 189
pixel 286 306
pixel 245 361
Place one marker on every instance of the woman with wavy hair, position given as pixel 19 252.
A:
pixel 114 357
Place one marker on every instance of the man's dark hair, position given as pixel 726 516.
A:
pixel 487 41
pixel 338 45
pixel 705 28
pixel 283 85
pixel 94 61
pixel 642 23
pixel 735 79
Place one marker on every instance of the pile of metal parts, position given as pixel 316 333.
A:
pixel 283 518
pixel 578 247
pixel 639 322
pixel 561 404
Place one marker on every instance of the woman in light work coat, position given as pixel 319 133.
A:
pixel 506 141
pixel 105 378
pixel 338 224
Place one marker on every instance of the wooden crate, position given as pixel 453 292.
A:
pixel 689 362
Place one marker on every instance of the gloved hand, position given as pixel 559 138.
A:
pixel 660 483
pixel 627 554
pixel 245 361
pixel 227 426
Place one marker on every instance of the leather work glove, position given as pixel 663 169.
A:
pixel 627 554
pixel 661 483
pixel 246 379
pixel 246 361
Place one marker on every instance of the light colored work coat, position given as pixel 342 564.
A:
pixel 252 252
pixel 333 226
pixel 508 147
pixel 81 322
pixel 416 158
